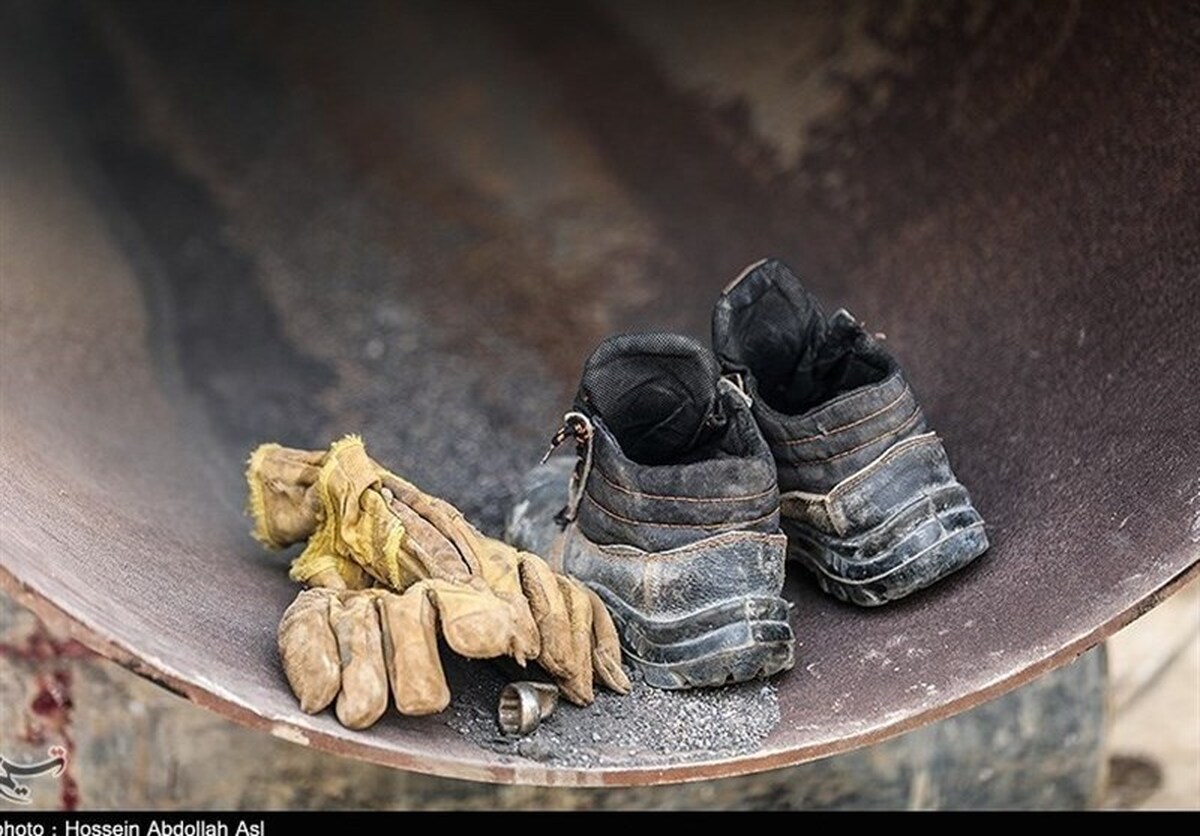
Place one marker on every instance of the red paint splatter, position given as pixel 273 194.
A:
pixel 54 694
pixel 50 708
pixel 68 795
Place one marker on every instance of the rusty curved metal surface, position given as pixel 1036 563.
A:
pixel 222 224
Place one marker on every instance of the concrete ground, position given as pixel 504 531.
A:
pixel 1154 741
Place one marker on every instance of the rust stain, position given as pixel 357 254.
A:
pixel 695 167
pixel 485 268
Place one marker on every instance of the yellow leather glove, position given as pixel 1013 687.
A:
pixel 368 527
pixel 283 500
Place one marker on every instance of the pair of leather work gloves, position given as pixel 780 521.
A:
pixel 389 569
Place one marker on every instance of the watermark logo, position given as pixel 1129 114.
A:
pixel 12 774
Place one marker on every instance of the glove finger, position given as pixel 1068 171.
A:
pixel 578 686
pixel 606 646
pixel 503 578
pixel 281 500
pixel 410 646
pixel 309 650
pixel 489 563
pixel 364 695
pixel 440 514
pixel 551 614
pixel 474 622
pixel 428 546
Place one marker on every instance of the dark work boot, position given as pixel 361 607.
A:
pixel 870 504
pixel 669 511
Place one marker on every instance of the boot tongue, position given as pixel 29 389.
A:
pixel 768 325
pixel 656 393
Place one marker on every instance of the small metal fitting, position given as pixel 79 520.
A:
pixel 524 705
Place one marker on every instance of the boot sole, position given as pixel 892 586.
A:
pixel 930 538
pixel 702 614
pixel 735 641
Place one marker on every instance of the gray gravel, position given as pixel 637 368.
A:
pixel 648 726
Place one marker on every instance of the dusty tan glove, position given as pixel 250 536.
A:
pixel 487 598
pixel 283 500
pixel 356 646
pixel 285 504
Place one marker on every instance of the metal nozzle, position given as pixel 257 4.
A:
pixel 524 705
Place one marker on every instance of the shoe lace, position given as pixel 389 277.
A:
pixel 578 426
pixel 737 384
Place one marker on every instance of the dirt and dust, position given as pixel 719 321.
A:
pixel 646 726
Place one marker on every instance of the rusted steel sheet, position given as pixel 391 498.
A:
pixel 224 224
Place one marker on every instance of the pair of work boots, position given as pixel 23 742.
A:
pixel 699 472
